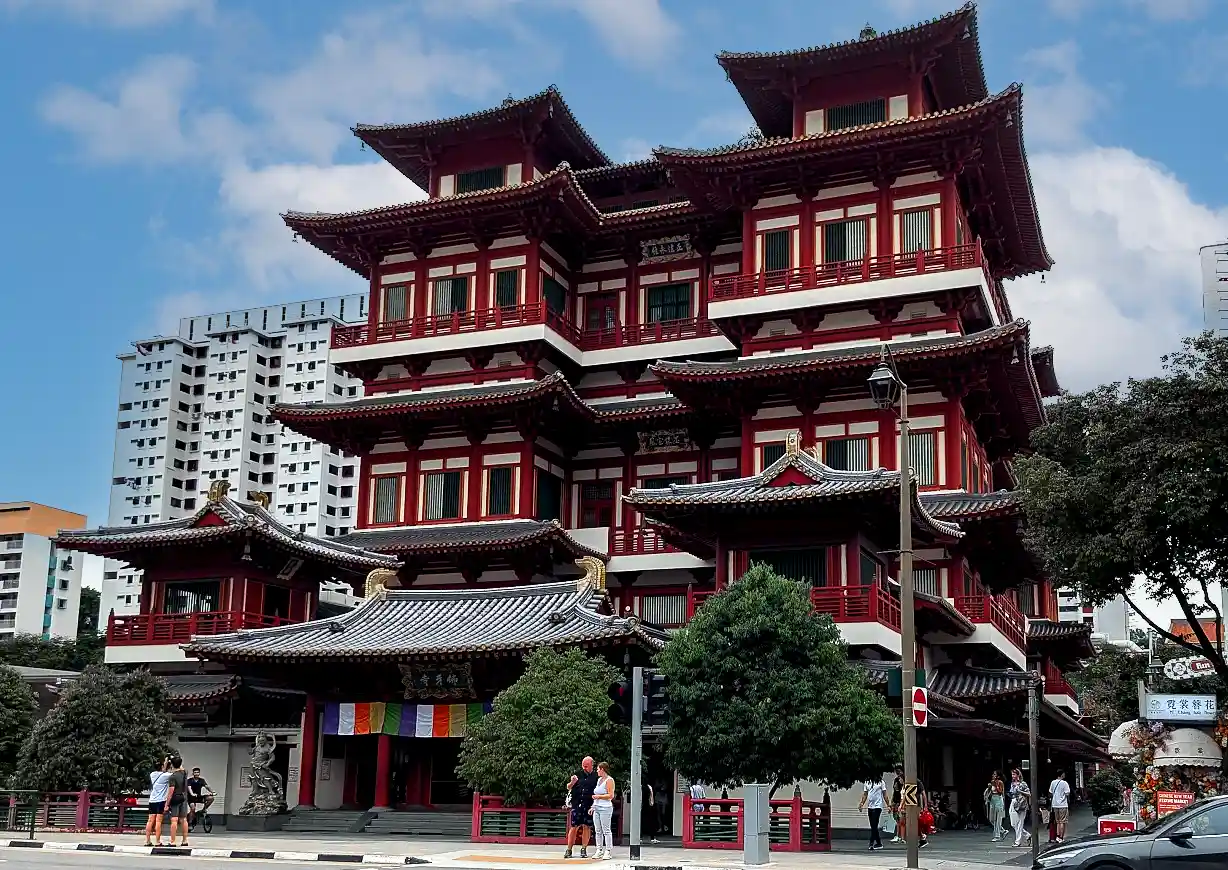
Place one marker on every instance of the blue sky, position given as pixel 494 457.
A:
pixel 149 145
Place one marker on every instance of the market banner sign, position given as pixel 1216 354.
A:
pixel 1181 708
pixel 1171 801
pixel 1189 668
pixel 402 720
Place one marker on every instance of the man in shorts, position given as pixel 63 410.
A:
pixel 582 785
pixel 1059 803
pixel 199 794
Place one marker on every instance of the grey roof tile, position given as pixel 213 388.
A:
pixel 454 537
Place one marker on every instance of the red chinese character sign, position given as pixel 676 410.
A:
pixel 1171 801
pixel 920 707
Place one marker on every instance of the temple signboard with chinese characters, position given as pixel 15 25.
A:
pixel 1186 709
pixel 664 250
pixel 448 680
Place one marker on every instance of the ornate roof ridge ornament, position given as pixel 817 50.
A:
pixel 594 574
pixel 218 490
pixel 378 583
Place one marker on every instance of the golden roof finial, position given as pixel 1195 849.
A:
pixel 218 490
pixel 255 496
pixel 594 573
pixel 793 443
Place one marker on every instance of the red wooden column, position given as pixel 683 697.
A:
pixel 383 771
pixel 307 756
pixel 746 465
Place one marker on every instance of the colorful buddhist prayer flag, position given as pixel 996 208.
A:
pixel 402 720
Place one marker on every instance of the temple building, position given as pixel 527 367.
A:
pixel 659 369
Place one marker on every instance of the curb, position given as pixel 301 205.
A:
pixel 54 846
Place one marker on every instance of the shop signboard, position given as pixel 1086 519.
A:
pixel 1184 709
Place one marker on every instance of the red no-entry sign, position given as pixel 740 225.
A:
pixel 920 707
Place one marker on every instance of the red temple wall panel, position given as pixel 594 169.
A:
pixel 504 151
pixel 883 82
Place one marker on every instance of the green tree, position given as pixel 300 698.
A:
pixel 108 731
pixel 1130 482
pixel 761 690
pixel 1108 688
pixel 541 726
pixel 18 708
pixel 87 611
pixel 60 654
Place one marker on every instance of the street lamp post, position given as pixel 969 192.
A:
pixel 889 391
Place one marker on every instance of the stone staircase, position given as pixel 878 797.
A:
pixel 437 825
pixel 326 822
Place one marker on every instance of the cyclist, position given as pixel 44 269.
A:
pixel 199 793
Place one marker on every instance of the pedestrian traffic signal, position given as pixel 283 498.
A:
pixel 656 704
pixel 620 702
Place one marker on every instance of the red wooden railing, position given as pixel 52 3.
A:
pixel 795 825
pixel 171 628
pixel 637 541
pixel 851 272
pixel 857 604
pixel 1055 681
pixel 997 611
pixel 670 330
pixel 458 321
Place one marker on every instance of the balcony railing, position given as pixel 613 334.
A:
pixel 1055 681
pixel 668 330
pixel 857 604
pixel 848 272
pixel 637 541
pixel 999 612
pixel 533 314
pixel 174 628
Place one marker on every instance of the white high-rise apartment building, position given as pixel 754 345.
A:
pixel 40 585
pixel 194 408
pixel 1214 261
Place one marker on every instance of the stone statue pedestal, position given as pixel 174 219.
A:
pixel 256 823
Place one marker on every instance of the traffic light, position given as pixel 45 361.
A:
pixel 620 702
pixel 656 705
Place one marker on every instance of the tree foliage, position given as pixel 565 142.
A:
pixel 761 690
pixel 1131 482
pixel 1104 792
pixel 88 611
pixel 542 726
pixel 18 709
pixel 60 654
pixel 106 733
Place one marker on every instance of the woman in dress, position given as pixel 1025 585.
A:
pixel 603 812
pixel 996 790
pixel 1020 796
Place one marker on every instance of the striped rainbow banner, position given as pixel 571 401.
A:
pixel 403 720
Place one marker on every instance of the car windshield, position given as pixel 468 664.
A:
pixel 1176 819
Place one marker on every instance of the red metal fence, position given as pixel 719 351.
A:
pixel 796 825
pixel 73 811
pixel 494 822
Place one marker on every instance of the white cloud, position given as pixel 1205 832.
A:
pixel 1059 102
pixel 118 13
pixel 638 31
pixel 1124 233
pixel 253 199
pixel 1156 10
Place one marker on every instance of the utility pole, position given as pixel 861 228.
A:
pixel 637 741
pixel 1034 760
pixel 887 388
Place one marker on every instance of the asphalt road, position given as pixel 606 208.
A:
pixel 38 859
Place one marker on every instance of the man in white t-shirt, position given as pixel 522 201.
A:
pixel 1059 803
pixel 872 801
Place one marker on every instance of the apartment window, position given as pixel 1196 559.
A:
pixel 777 250
pixel 772 452
pixel 506 288
pixel 480 179
pixel 856 114
pixel 451 295
pixel 499 492
pixel 923 457
pixel 845 241
pixel 387 498
pixel 443 491
pixel 915 230
pixel 394 303
pixel 668 302
pixel 847 454
pixel 549 496
pixel 596 505
pixel 555 295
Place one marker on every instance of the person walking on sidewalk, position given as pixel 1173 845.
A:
pixel 603 812
pixel 897 809
pixel 872 800
pixel 1059 803
pixel 582 785
pixel 1020 796
pixel 997 805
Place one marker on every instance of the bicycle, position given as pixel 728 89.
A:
pixel 206 823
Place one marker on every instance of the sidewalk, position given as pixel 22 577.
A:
pixel 453 855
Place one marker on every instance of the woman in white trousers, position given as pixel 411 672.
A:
pixel 1020 797
pixel 603 812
